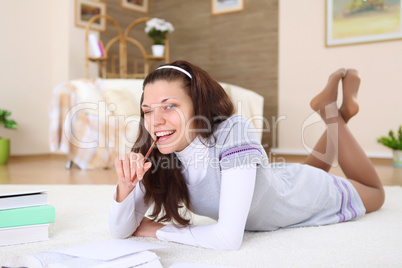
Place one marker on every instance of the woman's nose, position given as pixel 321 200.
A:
pixel 158 117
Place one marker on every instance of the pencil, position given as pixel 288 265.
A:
pixel 150 149
pixel 148 153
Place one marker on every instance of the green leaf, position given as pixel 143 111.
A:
pixel 4 113
pixel 11 124
pixel 391 134
pixel 7 123
pixel 385 141
pixel 157 36
pixel 391 141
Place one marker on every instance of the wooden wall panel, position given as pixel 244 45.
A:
pixel 239 48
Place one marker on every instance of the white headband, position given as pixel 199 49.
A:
pixel 177 68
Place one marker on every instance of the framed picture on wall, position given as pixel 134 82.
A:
pixel 226 6
pixel 86 9
pixel 356 21
pixel 136 5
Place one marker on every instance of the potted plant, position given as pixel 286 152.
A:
pixel 5 143
pixel 395 143
pixel 157 30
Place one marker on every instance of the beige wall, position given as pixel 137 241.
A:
pixel 305 64
pixel 38 51
pixel 26 70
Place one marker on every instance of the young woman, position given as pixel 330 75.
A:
pixel 212 163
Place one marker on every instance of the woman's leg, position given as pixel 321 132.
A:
pixel 324 152
pixel 351 157
pixel 350 87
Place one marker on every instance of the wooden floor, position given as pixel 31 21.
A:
pixel 50 169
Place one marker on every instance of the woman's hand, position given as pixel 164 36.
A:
pixel 148 228
pixel 130 170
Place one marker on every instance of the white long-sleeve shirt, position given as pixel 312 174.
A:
pixel 235 198
pixel 227 233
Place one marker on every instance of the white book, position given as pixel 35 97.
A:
pixel 94 50
pixel 24 234
pixel 23 199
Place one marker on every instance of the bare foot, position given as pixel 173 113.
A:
pixel 330 93
pixel 350 84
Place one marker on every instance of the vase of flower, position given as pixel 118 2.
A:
pixel 397 158
pixel 395 143
pixel 158 50
pixel 4 150
pixel 157 29
pixel 5 143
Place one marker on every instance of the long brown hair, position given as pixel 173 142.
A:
pixel 164 184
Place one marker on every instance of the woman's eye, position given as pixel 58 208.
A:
pixel 169 107
pixel 147 112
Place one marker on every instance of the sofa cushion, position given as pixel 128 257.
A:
pixel 123 101
pixel 88 91
pixel 247 103
pixel 134 86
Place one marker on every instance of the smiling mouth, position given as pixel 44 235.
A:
pixel 164 133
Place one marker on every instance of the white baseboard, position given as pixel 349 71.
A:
pixel 384 155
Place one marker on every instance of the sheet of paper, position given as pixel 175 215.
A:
pixel 107 250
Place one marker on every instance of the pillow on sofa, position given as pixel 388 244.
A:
pixel 123 100
pixel 134 86
pixel 88 91
pixel 247 103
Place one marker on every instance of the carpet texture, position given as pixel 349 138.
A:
pixel 374 240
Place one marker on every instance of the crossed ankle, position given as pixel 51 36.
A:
pixel 328 111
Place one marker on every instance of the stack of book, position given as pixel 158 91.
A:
pixel 25 217
pixel 96 48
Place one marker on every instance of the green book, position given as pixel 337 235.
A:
pixel 27 216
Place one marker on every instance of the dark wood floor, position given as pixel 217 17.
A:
pixel 50 169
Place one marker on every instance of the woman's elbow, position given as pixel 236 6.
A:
pixel 119 232
pixel 231 243
pixel 231 247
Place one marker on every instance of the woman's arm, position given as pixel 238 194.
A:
pixel 126 216
pixel 237 188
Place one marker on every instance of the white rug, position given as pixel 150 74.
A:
pixel 374 240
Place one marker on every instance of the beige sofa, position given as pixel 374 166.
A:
pixel 93 121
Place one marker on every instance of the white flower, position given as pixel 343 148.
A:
pixel 159 25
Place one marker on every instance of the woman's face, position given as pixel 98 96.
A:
pixel 168 114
